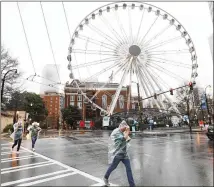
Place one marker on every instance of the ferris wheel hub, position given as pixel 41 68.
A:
pixel 134 50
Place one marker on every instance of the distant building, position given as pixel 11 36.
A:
pixel 49 77
pixel 54 102
pixel 102 99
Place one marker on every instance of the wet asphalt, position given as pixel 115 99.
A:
pixel 176 159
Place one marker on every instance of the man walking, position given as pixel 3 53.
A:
pixel 118 152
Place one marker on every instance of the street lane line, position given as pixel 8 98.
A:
pixel 20 169
pixel 47 179
pixel 26 165
pixel 7 153
pixel 32 178
pixel 18 159
pixel 13 158
pixel 68 167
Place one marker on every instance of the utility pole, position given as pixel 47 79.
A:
pixel 208 111
pixel 140 107
pixel 188 114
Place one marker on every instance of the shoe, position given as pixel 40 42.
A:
pixel 33 149
pixel 106 182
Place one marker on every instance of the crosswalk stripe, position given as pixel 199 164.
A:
pixel 15 170
pixel 26 165
pixel 13 158
pixel 18 159
pixel 47 179
pixel 7 153
pixel 32 178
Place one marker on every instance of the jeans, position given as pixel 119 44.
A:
pixel 114 165
pixel 34 138
pixel 19 141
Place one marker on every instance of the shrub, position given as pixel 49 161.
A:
pixel 7 128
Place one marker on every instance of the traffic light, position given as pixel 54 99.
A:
pixel 190 85
pixel 171 91
pixel 155 96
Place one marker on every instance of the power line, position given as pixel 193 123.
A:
pixel 66 20
pixel 26 38
pixel 49 40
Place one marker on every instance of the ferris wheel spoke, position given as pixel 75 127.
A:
pixel 167 72
pixel 94 52
pixel 130 27
pixel 104 70
pixel 162 43
pixel 77 65
pixel 152 79
pixel 110 78
pixel 112 30
pixel 172 63
pixel 112 105
pixel 161 88
pixel 97 43
pixel 157 35
pixel 142 40
pixel 175 62
pixel 139 28
pixel 149 82
pixel 107 37
pixel 121 27
pixel 83 65
pixel 168 52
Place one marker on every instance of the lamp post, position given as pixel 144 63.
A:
pixel 3 80
pixel 140 107
pixel 208 111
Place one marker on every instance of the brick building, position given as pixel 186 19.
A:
pixel 54 102
pixel 103 98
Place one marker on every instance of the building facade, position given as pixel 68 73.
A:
pixel 104 96
pixel 54 102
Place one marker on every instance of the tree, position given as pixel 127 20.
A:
pixel 32 103
pixel 71 114
pixel 35 106
pixel 11 82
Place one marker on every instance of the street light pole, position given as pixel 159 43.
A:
pixel 3 80
pixel 139 106
pixel 208 111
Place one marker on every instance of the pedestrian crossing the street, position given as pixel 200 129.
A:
pixel 28 168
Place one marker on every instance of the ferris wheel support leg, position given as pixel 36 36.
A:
pixel 112 105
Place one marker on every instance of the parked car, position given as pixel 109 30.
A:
pixel 210 133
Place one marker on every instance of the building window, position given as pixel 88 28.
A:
pixel 72 98
pixel 79 104
pixel 51 98
pixel 112 98
pixel 133 105
pixel 121 101
pixel 104 101
pixel 72 103
pixel 79 98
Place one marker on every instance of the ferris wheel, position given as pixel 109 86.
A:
pixel 128 42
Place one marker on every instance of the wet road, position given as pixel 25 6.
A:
pixel 81 160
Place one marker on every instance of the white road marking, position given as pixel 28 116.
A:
pixel 14 158
pixel 26 165
pixel 7 153
pixel 3 148
pixel 18 159
pixel 64 166
pixel 15 170
pixel 6 143
pixel 47 179
pixel 32 178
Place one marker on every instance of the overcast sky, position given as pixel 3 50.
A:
pixel 194 16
